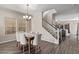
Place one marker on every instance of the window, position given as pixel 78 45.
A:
pixel 10 25
pixel 21 25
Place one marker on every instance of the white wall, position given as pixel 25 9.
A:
pixel 73 28
pixel 37 22
pixel 7 13
pixel 37 27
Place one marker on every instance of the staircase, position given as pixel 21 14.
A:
pixel 53 30
pixel 48 21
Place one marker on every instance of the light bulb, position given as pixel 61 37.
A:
pixel 30 17
pixel 24 17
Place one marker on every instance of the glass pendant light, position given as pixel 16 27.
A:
pixel 27 16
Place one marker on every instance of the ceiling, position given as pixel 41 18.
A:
pixel 60 8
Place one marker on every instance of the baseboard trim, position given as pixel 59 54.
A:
pixel 7 41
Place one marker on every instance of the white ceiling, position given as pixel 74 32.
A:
pixel 60 8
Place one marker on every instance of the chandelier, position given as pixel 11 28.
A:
pixel 27 16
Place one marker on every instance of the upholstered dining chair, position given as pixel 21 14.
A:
pixel 36 41
pixel 18 40
pixel 23 41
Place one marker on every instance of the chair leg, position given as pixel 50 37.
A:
pixel 18 45
pixel 37 49
pixel 23 48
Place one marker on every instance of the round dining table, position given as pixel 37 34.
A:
pixel 29 39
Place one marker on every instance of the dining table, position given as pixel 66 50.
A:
pixel 29 39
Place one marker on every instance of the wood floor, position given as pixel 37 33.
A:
pixel 68 46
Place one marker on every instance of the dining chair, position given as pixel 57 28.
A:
pixel 23 42
pixel 36 41
pixel 18 40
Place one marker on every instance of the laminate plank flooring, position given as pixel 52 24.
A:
pixel 68 46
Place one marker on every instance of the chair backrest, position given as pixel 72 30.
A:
pixel 36 39
pixel 17 37
pixel 39 37
pixel 22 38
